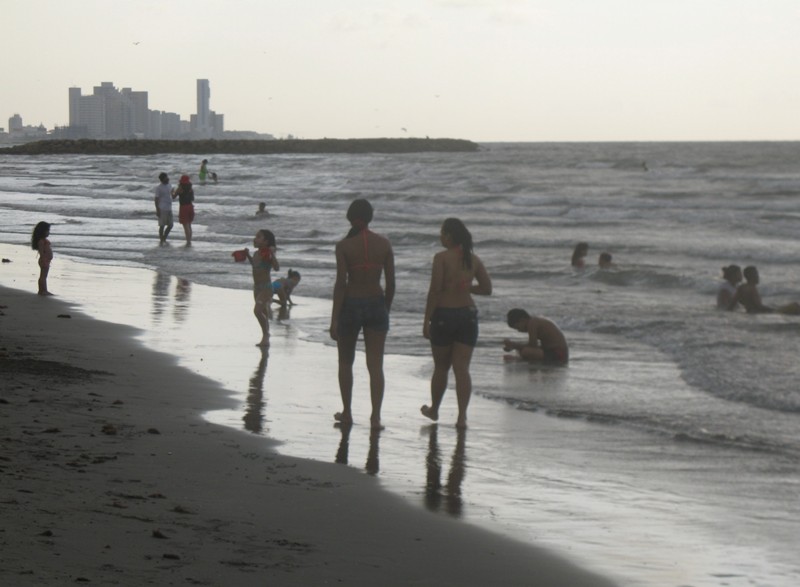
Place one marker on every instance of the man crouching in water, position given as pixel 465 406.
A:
pixel 546 343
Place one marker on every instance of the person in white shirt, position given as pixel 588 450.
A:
pixel 163 202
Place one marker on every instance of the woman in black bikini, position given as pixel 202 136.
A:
pixel 359 302
pixel 451 319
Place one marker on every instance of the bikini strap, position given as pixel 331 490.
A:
pixel 366 264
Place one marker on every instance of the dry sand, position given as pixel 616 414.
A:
pixel 110 476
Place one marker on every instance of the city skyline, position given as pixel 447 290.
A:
pixel 499 70
pixel 111 113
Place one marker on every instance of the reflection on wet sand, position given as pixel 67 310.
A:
pixel 160 293
pixel 373 461
pixel 451 495
pixel 343 452
pixel 161 300
pixel 254 413
pixel 283 313
pixel 183 290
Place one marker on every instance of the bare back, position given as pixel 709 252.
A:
pixel 451 282
pixel 747 295
pixel 360 262
pixel 544 331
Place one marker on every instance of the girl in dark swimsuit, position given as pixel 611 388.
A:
pixel 40 243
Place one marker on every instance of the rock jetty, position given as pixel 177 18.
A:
pixel 239 147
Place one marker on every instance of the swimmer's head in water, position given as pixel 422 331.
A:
pixel 751 274
pixel 732 273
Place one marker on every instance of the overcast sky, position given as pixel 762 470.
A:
pixel 485 70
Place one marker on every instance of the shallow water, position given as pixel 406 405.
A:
pixel 674 429
pixel 637 506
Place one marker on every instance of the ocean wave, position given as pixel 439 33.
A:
pixel 677 430
pixel 671 229
pixel 640 277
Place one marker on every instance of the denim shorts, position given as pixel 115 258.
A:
pixel 449 325
pixel 358 313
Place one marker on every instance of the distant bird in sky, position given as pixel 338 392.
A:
pixel 136 42
pixel 403 129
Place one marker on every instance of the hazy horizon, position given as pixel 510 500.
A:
pixel 483 70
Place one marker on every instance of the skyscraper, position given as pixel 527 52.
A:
pixel 74 107
pixel 203 107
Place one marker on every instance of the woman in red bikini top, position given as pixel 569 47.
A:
pixel 361 304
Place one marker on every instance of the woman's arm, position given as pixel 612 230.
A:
pixel 434 291
pixel 484 285
pixel 339 289
pixel 388 275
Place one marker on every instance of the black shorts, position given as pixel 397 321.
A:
pixel 449 325
pixel 358 313
pixel 556 356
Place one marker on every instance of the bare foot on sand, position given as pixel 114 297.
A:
pixel 429 412
pixel 375 424
pixel 461 423
pixel 344 418
pixel 264 344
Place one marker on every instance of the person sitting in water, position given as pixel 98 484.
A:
pixel 262 209
pixel 545 344
pixel 284 287
pixel 605 262
pixel 732 274
pixel 747 295
pixel 581 250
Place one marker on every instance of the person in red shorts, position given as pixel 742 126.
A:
pixel 185 195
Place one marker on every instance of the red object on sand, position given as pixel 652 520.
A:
pixel 239 256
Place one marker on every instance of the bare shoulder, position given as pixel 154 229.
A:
pixel 342 245
pixel 382 241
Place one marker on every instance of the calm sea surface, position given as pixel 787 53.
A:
pixel 698 406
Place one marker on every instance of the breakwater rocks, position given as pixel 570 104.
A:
pixel 243 147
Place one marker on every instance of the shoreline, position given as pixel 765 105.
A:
pixel 115 477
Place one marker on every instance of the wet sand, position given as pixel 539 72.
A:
pixel 111 475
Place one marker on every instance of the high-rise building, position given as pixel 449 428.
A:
pixel 139 112
pixel 74 106
pixel 15 124
pixel 203 106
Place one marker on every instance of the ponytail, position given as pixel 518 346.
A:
pixel 460 236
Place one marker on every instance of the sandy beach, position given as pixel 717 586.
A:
pixel 111 476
